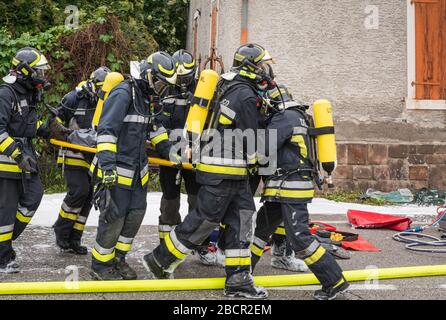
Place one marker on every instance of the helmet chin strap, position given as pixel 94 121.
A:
pixel 150 80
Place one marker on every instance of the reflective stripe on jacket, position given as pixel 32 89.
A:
pixel 293 153
pixel 122 135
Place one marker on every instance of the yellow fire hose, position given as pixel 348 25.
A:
pixel 158 161
pixel 208 284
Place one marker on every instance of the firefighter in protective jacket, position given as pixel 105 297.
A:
pixel 173 118
pixel 20 187
pixel 121 164
pixel 287 193
pixel 76 111
pixel 224 195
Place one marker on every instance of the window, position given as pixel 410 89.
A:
pixel 427 54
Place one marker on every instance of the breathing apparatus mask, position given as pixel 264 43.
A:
pixel 184 78
pixel 262 74
pixel 28 69
pixel 87 90
pixel 280 98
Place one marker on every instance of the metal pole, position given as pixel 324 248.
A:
pixel 245 17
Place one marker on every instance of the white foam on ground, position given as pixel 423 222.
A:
pixel 50 206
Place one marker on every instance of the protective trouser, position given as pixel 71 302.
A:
pixel 304 244
pixel 19 201
pixel 278 238
pixel 230 203
pixel 115 239
pixel 170 202
pixel 76 206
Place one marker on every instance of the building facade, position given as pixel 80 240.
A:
pixel 381 63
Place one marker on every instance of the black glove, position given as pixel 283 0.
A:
pixel 44 130
pixel 26 163
pixel 58 131
pixel 107 207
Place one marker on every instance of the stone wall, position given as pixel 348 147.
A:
pixel 387 167
pixel 323 49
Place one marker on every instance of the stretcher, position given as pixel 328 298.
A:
pixel 152 160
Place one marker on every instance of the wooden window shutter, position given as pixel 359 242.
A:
pixel 430 40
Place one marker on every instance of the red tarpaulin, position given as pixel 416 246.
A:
pixel 359 245
pixel 315 226
pixel 372 220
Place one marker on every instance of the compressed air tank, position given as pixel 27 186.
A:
pixel 198 112
pixel 326 139
pixel 111 81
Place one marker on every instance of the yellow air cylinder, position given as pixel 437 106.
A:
pixel 111 81
pixel 198 113
pixel 326 142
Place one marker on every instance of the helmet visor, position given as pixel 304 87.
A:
pixel 173 79
pixel 39 74
pixel 42 64
pixel 268 58
pixel 184 81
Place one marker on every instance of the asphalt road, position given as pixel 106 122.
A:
pixel 42 261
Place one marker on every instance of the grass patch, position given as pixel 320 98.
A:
pixel 58 188
pixel 353 197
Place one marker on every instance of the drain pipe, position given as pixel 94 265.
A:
pixel 245 15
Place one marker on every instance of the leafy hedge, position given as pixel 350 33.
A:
pixel 109 34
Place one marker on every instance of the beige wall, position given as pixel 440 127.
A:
pixel 324 50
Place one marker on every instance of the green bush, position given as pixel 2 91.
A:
pixel 110 33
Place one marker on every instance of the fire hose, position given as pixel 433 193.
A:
pixel 416 240
pixel 77 287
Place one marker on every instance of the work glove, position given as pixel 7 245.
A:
pixel 44 131
pixel 104 202
pixel 58 131
pixel 109 178
pixel 253 169
pixel 177 160
pixel 26 163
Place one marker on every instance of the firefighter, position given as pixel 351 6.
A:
pixel 224 195
pixel 283 255
pixel 76 111
pixel 173 118
pixel 20 187
pixel 281 249
pixel 121 164
pixel 287 193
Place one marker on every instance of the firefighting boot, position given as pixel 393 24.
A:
pixel 330 293
pixel 212 257
pixel 62 242
pixel 153 267
pixel 282 260
pixel 124 269
pixel 76 248
pixel 111 274
pixel 10 267
pixel 241 285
